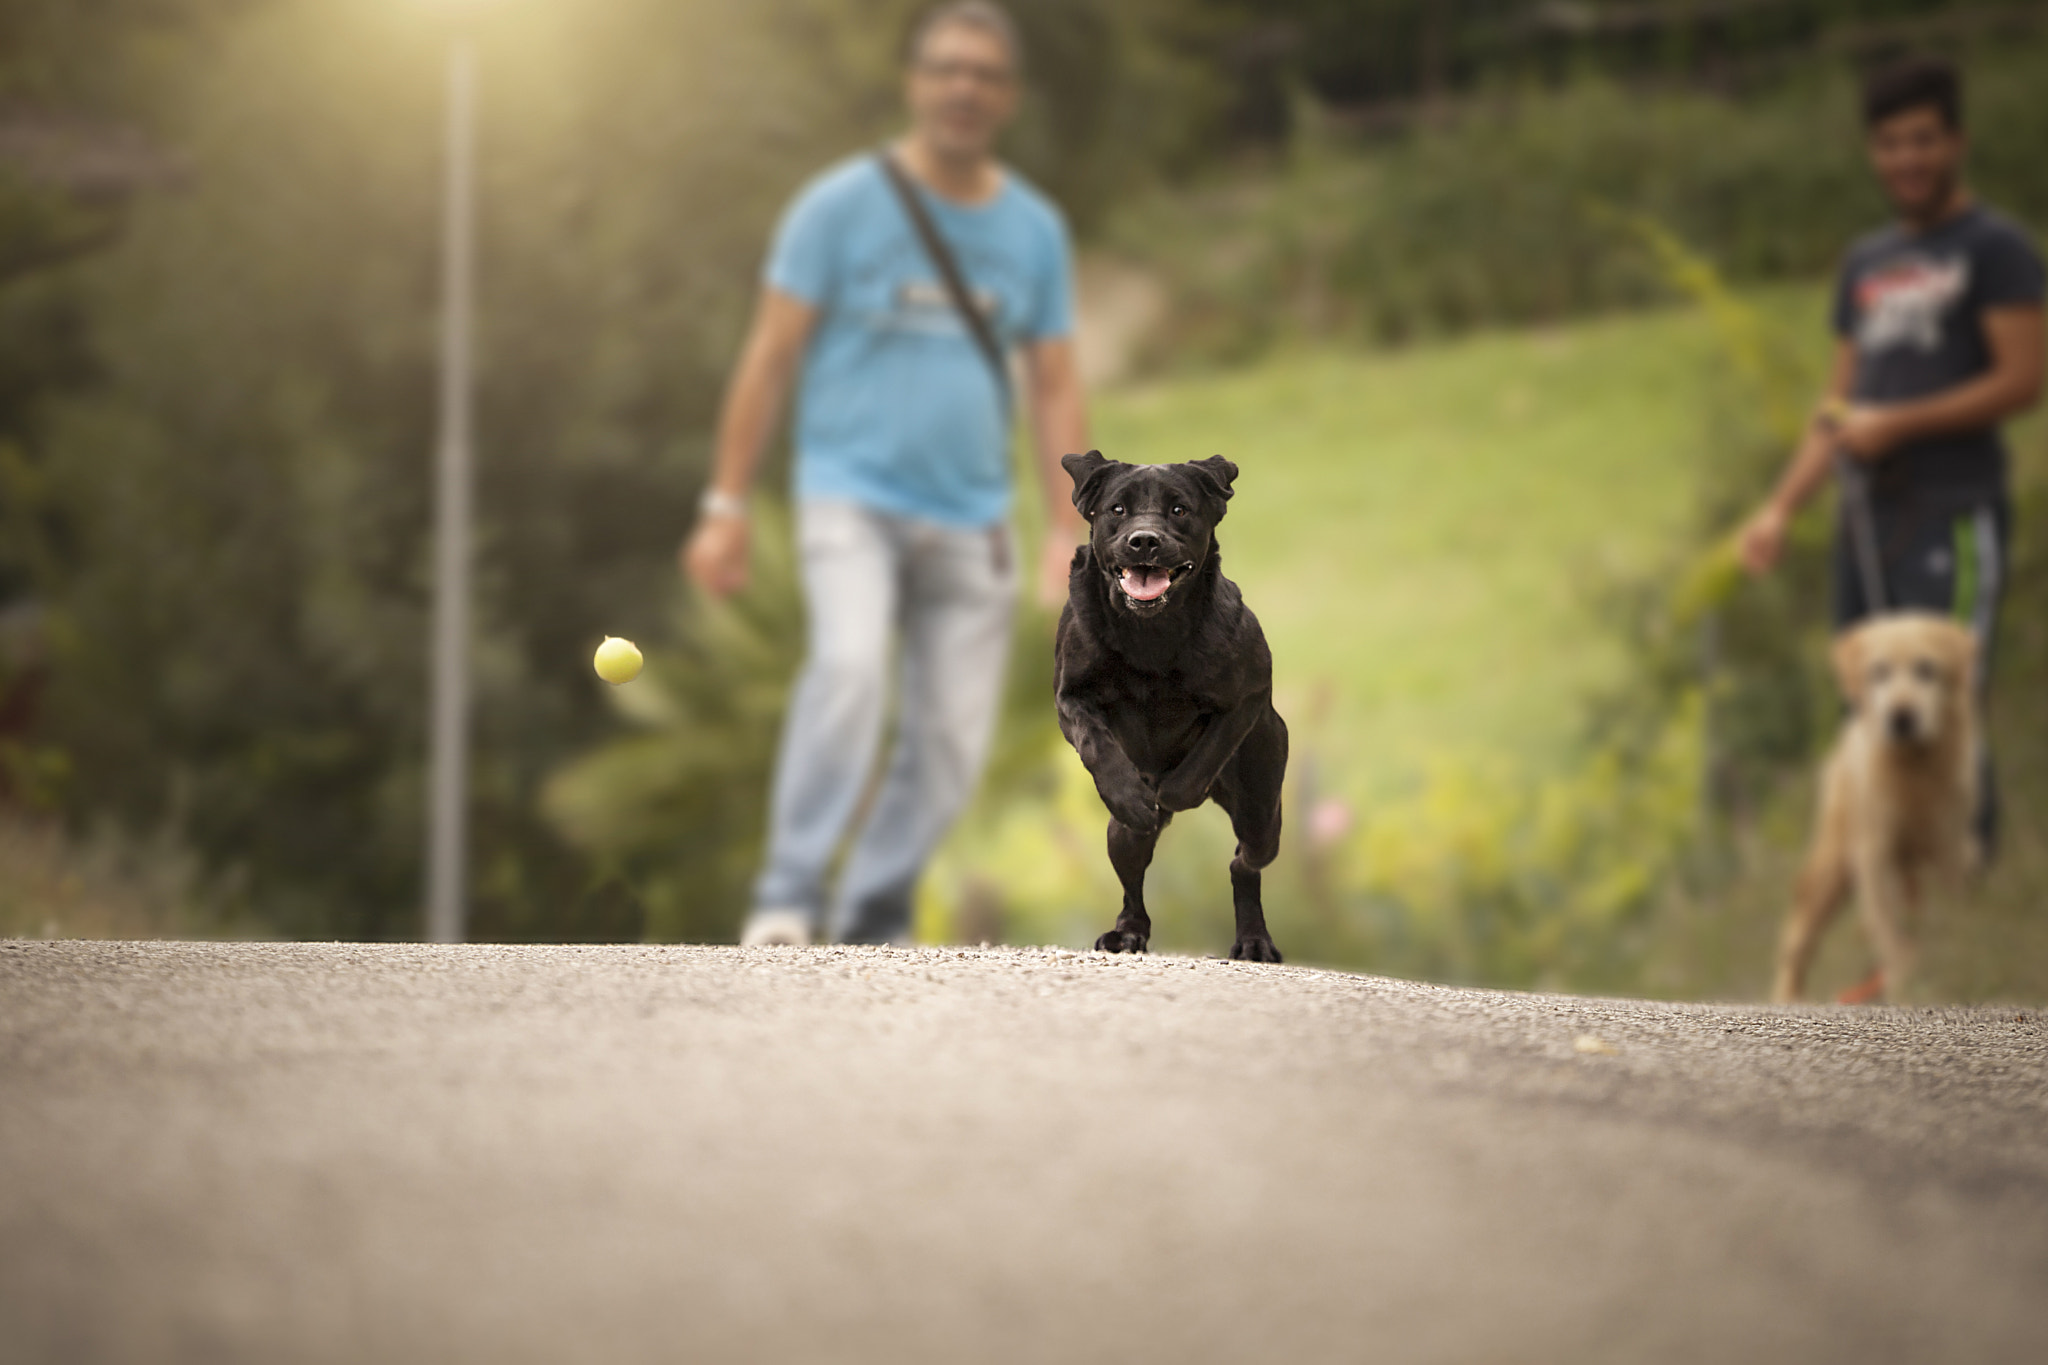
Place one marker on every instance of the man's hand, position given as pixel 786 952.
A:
pixel 1865 432
pixel 715 555
pixel 1055 563
pixel 1762 538
pixel 1059 423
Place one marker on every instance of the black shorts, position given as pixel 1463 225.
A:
pixel 1951 561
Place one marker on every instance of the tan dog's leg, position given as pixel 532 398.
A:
pixel 1823 884
pixel 1881 901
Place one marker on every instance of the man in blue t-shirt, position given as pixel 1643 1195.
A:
pixel 1939 339
pixel 902 475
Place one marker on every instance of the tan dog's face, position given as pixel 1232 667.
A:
pixel 1907 675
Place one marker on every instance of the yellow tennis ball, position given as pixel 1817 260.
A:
pixel 617 661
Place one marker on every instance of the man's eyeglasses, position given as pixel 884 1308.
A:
pixel 984 74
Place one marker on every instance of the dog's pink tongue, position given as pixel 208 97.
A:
pixel 1146 584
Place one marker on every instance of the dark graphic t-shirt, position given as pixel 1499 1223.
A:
pixel 1914 306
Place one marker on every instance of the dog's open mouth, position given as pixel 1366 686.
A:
pixel 1149 582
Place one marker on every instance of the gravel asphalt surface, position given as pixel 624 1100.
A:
pixel 229 1152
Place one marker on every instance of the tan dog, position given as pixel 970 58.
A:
pixel 1897 795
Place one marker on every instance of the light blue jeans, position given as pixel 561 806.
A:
pixel 937 602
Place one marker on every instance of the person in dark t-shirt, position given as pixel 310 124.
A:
pixel 1938 323
pixel 1913 306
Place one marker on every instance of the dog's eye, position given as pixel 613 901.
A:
pixel 1924 670
pixel 1179 510
pixel 1117 510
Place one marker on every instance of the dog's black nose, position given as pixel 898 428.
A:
pixel 1904 725
pixel 1142 542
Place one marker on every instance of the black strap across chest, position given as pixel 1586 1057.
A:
pixel 948 266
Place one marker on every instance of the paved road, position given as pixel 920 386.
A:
pixel 330 1152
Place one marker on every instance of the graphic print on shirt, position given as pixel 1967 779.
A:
pixel 1903 302
pixel 926 306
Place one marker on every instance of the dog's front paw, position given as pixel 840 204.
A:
pixel 1121 941
pixel 1257 948
pixel 1136 810
pixel 1178 796
pixel 1140 819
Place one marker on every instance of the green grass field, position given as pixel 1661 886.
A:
pixel 1420 531
pixel 1426 534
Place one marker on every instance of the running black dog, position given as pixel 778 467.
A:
pixel 1164 682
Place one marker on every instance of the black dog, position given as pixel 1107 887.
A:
pixel 1164 682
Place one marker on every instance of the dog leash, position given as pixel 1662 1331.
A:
pixel 1862 525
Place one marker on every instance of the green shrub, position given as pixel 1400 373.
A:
pixel 1487 216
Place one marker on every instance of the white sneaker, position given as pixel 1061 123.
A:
pixel 777 929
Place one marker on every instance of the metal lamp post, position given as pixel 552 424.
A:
pixel 448 767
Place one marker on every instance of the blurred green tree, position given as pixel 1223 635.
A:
pixel 240 588
pixel 78 88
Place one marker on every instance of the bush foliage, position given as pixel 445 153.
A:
pixel 1493 214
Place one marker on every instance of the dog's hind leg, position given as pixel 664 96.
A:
pixel 1254 943
pixel 1130 853
pixel 1250 793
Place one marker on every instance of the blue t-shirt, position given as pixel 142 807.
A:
pixel 897 409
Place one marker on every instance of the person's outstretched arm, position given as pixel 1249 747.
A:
pixel 715 555
pixel 1762 538
pixel 1059 426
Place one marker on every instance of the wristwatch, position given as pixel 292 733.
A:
pixel 716 502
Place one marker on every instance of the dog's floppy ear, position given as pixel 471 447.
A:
pixel 1215 474
pixel 1089 472
pixel 1847 655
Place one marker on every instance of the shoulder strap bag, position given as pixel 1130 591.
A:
pixel 949 272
